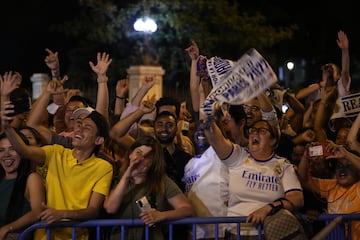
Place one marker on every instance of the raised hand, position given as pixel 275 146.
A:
pixel 342 40
pixel 52 60
pixel 148 105
pixel 193 50
pixel 103 62
pixel 122 87
pixel 148 81
pixel 9 82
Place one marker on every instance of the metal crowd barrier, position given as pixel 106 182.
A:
pixel 334 229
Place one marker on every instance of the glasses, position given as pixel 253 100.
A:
pixel 251 108
pixel 261 131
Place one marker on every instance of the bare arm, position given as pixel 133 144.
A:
pixel 38 110
pixel 343 44
pixel 298 109
pixel 340 151
pixel 96 201
pixel 304 176
pixel 35 194
pixel 146 84
pixel 324 112
pixel 352 135
pixel 122 88
pixel 304 92
pixel 193 51
pixel 32 153
pixel 222 146
pixel 114 200
pixel 122 126
pixel 102 100
pixel 181 208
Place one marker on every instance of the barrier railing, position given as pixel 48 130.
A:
pixel 334 230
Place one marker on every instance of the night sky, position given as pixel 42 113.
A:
pixel 24 30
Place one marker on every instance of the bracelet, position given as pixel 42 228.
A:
pixel 118 97
pixel 103 81
pixel 10 228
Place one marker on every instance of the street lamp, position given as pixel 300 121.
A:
pixel 145 25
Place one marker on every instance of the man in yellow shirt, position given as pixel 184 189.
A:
pixel 77 180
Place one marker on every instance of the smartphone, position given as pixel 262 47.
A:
pixel 318 150
pixel 143 204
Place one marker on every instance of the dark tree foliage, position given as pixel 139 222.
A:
pixel 221 28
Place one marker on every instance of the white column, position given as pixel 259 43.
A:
pixel 137 73
pixel 39 83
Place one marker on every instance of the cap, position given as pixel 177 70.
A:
pixel 101 123
pixel 76 114
pixel 96 117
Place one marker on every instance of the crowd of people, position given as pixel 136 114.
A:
pixel 65 158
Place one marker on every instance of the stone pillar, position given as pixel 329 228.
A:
pixel 39 83
pixel 137 73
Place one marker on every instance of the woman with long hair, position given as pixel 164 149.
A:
pixel 144 180
pixel 21 191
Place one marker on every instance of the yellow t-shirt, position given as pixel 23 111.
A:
pixel 69 184
pixel 342 201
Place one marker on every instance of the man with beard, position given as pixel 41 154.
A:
pixel 165 129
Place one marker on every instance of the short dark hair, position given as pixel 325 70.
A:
pixel 165 101
pixel 237 113
pixel 78 98
pixel 165 114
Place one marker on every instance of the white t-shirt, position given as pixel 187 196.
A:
pixel 206 179
pixel 254 183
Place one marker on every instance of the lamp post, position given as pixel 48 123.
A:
pixel 146 26
pixel 290 65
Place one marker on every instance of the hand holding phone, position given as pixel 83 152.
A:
pixel 144 205
pixel 318 150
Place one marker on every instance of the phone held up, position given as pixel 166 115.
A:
pixel 318 150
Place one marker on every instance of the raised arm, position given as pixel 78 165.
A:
pixel 32 153
pixel 324 112
pixel 304 92
pixel 222 146
pixel 102 100
pixel 146 84
pixel 193 51
pixel 123 125
pixel 343 44
pixel 304 175
pixel 38 110
pixel 340 151
pixel 122 89
pixel 352 140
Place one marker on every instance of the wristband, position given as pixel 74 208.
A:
pixel 118 97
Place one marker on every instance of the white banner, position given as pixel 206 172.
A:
pixel 346 107
pixel 248 77
pixel 218 68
